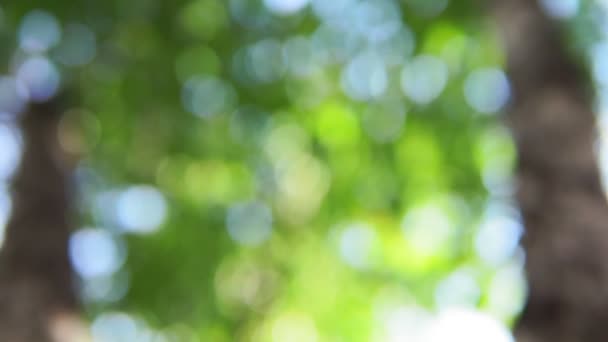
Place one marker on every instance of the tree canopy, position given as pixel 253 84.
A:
pixel 284 170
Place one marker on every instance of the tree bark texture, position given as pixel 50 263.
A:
pixel 558 181
pixel 36 284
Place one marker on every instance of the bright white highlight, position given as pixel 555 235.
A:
pixel 407 324
pixel 410 324
pixel 508 290
pixel 561 9
pixel 487 90
pixel 356 243
pixel 459 289
pixel 463 325
pixel 498 236
pixel 328 10
pixel 120 327
pixel 427 229
pixel 599 58
pixel 10 141
pixel 365 77
pixel 249 223
pixel 299 56
pixel 285 7
pixel 208 96
pixel 12 96
pixel 116 327
pixel 95 253
pixel 141 209
pixel 40 77
pixel 294 327
pixel 38 31
pixel 264 61
pixel 424 78
pixel 376 20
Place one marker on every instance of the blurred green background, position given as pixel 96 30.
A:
pixel 284 170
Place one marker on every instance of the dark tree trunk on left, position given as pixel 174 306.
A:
pixel 36 284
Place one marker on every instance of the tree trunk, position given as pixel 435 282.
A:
pixel 559 187
pixel 36 285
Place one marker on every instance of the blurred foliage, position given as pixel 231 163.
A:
pixel 284 170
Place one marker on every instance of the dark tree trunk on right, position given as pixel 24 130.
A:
pixel 559 187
